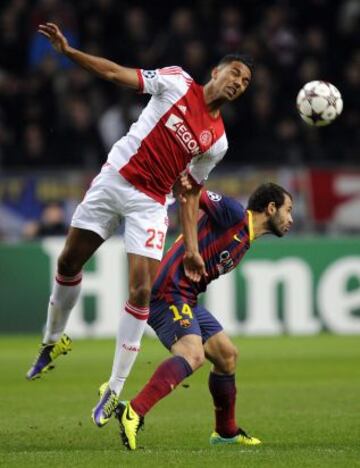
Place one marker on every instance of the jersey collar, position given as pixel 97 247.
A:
pixel 251 225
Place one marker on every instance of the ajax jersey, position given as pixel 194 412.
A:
pixel 174 132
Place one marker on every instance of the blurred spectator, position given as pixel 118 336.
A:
pixel 33 151
pixel 78 141
pixel 51 223
pixel 182 30
pixel 230 30
pixel 55 11
pixel 279 36
pixel 134 44
pixel 49 106
pixel 289 143
pixel 115 121
pixel 195 60
pixel 13 37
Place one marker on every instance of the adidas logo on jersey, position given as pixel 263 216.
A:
pixel 183 109
pixel 176 124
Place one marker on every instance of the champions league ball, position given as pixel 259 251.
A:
pixel 319 103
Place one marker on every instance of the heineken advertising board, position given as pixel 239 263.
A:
pixel 294 285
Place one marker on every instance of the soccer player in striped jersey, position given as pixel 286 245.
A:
pixel 191 333
pixel 180 129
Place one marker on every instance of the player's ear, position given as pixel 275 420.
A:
pixel 214 73
pixel 271 209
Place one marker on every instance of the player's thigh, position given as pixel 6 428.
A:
pixel 145 226
pixel 102 208
pixel 173 320
pixel 222 352
pixel 209 325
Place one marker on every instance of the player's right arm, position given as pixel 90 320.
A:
pixel 104 68
pixel 194 264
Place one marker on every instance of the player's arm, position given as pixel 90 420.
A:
pixel 194 265
pixel 104 68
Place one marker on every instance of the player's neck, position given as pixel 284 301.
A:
pixel 213 103
pixel 260 226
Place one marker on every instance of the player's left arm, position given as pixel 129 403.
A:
pixel 194 264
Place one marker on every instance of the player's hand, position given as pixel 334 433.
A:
pixel 55 36
pixel 181 186
pixel 194 266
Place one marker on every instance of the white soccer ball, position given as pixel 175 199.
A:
pixel 319 103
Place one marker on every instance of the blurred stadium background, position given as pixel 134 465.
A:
pixel 57 123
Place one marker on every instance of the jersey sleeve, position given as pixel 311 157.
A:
pixel 224 211
pixel 161 79
pixel 200 167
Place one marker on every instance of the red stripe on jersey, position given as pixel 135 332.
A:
pixel 141 80
pixel 170 73
pixel 171 70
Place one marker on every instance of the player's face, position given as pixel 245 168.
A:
pixel 280 221
pixel 231 80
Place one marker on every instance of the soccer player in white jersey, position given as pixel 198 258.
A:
pixel 180 129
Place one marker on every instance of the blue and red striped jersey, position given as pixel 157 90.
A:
pixel 224 232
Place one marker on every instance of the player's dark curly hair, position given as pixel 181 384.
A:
pixel 265 194
pixel 246 59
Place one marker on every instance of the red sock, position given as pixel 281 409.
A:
pixel 223 391
pixel 166 377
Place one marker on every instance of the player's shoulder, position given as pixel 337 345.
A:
pixel 173 70
pixel 224 200
pixel 165 79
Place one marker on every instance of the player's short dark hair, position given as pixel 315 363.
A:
pixel 246 59
pixel 265 194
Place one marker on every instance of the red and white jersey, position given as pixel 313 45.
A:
pixel 174 132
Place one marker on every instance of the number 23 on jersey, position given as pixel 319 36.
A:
pixel 156 239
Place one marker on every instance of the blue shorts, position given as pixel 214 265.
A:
pixel 173 321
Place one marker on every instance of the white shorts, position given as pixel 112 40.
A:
pixel 112 199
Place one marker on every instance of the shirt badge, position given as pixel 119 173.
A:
pixel 205 137
pixel 149 74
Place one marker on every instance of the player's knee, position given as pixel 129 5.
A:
pixel 229 359
pixel 140 295
pixel 68 265
pixel 196 359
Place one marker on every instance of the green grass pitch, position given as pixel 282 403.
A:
pixel 301 396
